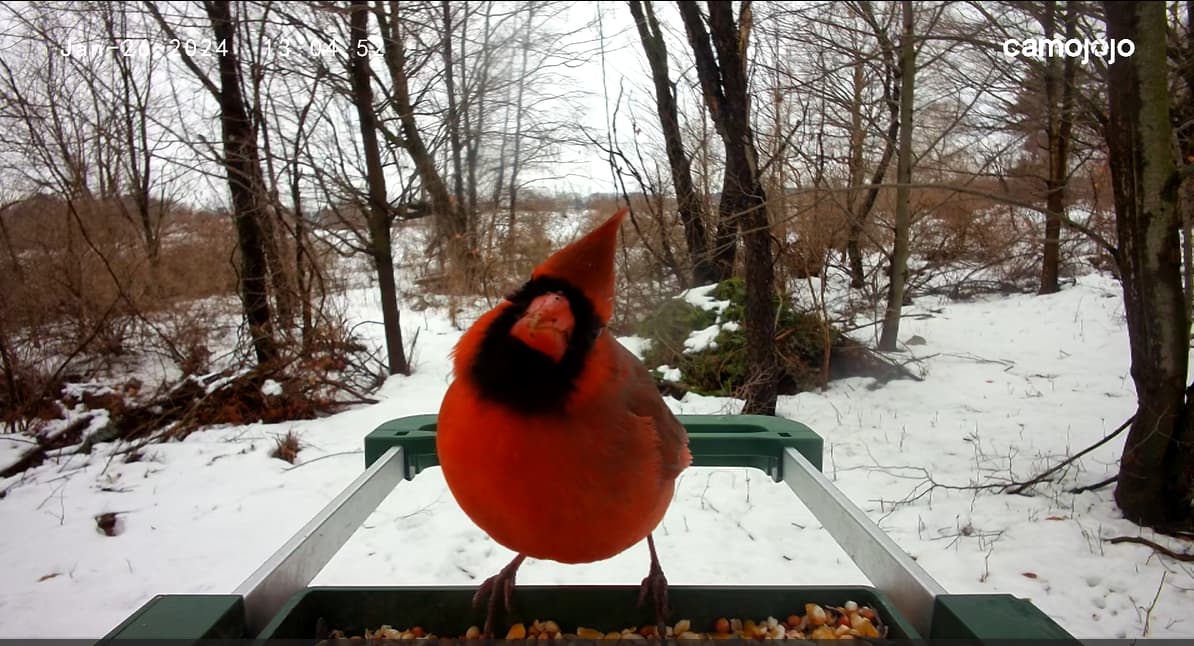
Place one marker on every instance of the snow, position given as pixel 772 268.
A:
pixel 13 448
pixel 271 388
pixel 702 297
pixel 703 339
pixel 1011 386
pixel 669 373
pixel 706 338
pixel 637 345
pixel 77 390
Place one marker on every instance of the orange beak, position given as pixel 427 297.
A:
pixel 547 325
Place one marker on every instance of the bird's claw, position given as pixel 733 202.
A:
pixel 500 585
pixel 655 585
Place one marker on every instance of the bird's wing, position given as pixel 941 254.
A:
pixel 643 400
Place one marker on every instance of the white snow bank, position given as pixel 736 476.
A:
pixel 1012 386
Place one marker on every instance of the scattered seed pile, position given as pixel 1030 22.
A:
pixel 818 622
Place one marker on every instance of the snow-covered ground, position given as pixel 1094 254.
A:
pixel 1011 386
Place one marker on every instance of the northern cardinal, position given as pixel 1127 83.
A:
pixel 553 437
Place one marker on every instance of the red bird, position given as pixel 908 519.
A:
pixel 550 418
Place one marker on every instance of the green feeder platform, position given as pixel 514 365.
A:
pixel 275 602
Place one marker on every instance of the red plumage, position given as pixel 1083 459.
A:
pixel 553 437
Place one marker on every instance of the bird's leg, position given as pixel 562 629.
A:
pixel 655 584
pixel 500 585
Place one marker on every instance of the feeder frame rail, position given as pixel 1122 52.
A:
pixel 292 567
pixel 302 557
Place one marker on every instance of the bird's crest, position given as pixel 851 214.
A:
pixel 588 264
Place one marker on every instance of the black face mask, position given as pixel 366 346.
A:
pixel 509 372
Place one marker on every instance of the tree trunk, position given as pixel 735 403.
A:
pixel 453 123
pixel 858 221
pixel 271 217
pixel 854 200
pixel 378 209
pixel 1157 467
pixel 499 182
pixel 301 276
pixel 688 203
pixel 1186 213
pixel 474 122
pixel 304 268
pixel 1059 79
pixel 13 259
pixel 903 216
pixel 243 168
pixel 743 199
pixel 516 154
pixel 891 95
pixel 1050 258
pixel 1182 104
pixel 725 237
pixel 725 243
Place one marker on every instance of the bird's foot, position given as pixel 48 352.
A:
pixel 500 585
pixel 655 585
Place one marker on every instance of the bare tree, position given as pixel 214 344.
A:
pixel 131 105
pixel 844 60
pixel 242 166
pixel 743 200
pixel 903 217
pixel 378 210
pixel 689 204
pixel 1156 474
pixel 453 118
pixel 64 150
pixel 295 116
pixel 515 166
pixel 451 216
pixel 1059 122
pixel 253 29
pixel 860 208
pixel 476 91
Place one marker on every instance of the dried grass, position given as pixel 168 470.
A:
pixel 286 447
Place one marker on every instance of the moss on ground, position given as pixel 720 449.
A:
pixel 721 369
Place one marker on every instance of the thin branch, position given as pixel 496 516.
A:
pixel 1148 614
pixel 186 58
pixel 1091 487
pixel 322 457
pixel 1160 549
pixel 1021 487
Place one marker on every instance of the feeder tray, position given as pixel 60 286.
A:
pixel 275 602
